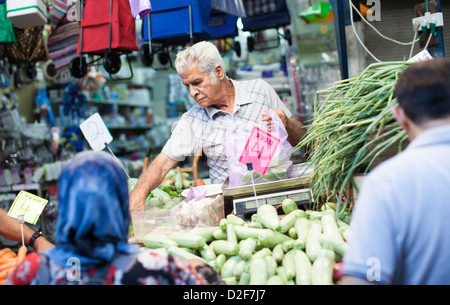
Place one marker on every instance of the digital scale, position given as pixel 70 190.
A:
pixel 241 200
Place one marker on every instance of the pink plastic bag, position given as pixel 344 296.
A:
pixel 281 163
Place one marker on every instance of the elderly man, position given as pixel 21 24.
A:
pixel 401 218
pixel 223 106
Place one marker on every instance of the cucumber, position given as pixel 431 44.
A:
pixel 188 240
pixel 302 228
pixel 258 271
pixel 288 205
pixel 154 241
pixel 246 248
pixel 268 216
pixel 313 245
pixel 276 280
pixel 322 269
pixel 303 268
pixel 270 238
pixel 243 232
pixel 289 220
pixel 225 247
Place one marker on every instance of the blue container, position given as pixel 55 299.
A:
pixel 171 20
pixel 222 25
pixel 277 18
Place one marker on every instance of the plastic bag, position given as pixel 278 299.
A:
pixel 280 166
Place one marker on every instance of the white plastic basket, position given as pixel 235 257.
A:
pixel 26 13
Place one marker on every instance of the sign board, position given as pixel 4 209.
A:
pixel 259 150
pixel 28 205
pixel 96 132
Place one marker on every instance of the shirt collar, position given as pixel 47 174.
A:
pixel 241 97
pixel 433 136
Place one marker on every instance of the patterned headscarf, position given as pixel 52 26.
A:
pixel 93 217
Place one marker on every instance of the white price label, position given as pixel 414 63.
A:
pixel 96 132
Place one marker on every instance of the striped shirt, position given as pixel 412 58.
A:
pixel 207 127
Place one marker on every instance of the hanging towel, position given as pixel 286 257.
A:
pixel 140 7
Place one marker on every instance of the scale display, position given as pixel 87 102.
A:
pixel 249 205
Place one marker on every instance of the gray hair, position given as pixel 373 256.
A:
pixel 204 54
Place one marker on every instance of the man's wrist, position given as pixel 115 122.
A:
pixel 34 237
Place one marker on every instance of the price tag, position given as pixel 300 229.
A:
pixel 423 55
pixel 259 150
pixel 96 132
pixel 28 205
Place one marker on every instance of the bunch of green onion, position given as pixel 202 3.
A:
pixel 352 126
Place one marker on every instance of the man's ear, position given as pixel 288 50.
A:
pixel 400 116
pixel 219 72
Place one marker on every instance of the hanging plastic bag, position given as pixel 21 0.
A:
pixel 280 166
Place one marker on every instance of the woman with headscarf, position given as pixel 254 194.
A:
pixel 91 236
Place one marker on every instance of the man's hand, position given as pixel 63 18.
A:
pixel 294 128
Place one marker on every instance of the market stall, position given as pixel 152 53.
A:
pixel 283 214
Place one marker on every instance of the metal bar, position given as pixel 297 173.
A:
pixel 438 50
pixel 191 26
pixel 341 40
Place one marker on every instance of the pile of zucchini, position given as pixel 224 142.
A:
pixel 298 247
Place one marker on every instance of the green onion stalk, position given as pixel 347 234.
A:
pixel 351 128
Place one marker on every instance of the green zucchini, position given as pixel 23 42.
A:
pixel 329 243
pixel 270 238
pixel 178 181
pixel 188 240
pixel 236 220
pixel 289 265
pixel 182 253
pixel 276 280
pixel 160 194
pixel 271 265
pixel 262 253
pixel 303 268
pixel 288 205
pixel 302 228
pixel 246 248
pixel 292 233
pixel 225 247
pixel 289 220
pixel 219 234
pixel 278 253
pixel 218 262
pixel 228 267
pixel 207 253
pixel 313 245
pixel 268 216
pixel 243 232
pixel 245 278
pixel 154 241
pixel 205 232
pixel 258 271
pixel 239 268
pixel 330 228
pixel 231 234
pixel 322 269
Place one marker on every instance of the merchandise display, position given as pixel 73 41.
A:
pixel 246 128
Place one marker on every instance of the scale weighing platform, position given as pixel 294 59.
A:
pixel 241 200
